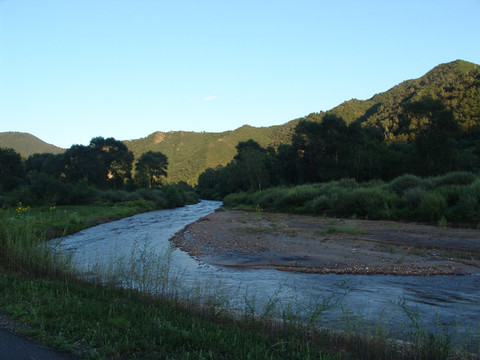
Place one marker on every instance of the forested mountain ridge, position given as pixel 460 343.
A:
pixel 456 84
pixel 26 144
pixel 190 153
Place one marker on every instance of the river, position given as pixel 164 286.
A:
pixel 140 245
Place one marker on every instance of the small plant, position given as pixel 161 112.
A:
pixel 22 211
pixel 442 222
pixel 258 211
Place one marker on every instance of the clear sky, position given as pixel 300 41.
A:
pixel 71 70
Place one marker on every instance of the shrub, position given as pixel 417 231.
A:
pixel 455 178
pixel 236 199
pixel 266 198
pixel 190 197
pixel 156 196
pixel 173 197
pixel 320 204
pixel 116 196
pixel 414 196
pixel 432 207
pixel 347 183
pixel 468 206
pixel 296 197
pixel 402 183
pixel 368 202
pixel 451 193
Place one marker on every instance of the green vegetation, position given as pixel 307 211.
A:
pixel 456 85
pixel 453 197
pixel 99 172
pixel 97 320
pixel 410 153
pixel 26 144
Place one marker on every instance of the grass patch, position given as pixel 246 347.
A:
pixel 103 322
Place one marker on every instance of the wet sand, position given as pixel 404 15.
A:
pixel 325 245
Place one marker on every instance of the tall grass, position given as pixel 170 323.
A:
pixel 454 197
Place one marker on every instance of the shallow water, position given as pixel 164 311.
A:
pixel 437 299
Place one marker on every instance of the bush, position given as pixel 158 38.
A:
pixel 320 204
pixel 402 183
pixel 451 193
pixel 173 197
pixel 414 196
pixel 116 196
pixel 156 196
pixel 432 207
pixel 455 178
pixel 295 198
pixel 237 199
pixel 347 183
pixel 368 202
pixel 82 194
pixel 468 206
pixel 266 199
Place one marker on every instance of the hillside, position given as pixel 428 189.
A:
pixel 26 144
pixel 457 84
pixel 190 153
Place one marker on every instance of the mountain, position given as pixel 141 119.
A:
pixel 26 144
pixel 456 84
pixel 190 153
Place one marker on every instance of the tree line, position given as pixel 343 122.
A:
pixel 74 176
pixel 426 141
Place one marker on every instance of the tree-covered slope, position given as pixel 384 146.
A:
pixel 456 84
pixel 190 153
pixel 26 144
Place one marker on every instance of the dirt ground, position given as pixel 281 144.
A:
pixel 325 245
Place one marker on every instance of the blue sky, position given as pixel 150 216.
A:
pixel 71 70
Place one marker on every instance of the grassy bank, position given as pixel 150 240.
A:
pixel 450 198
pixel 102 322
pixel 41 292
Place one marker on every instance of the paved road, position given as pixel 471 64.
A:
pixel 16 347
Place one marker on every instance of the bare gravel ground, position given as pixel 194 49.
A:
pixel 325 245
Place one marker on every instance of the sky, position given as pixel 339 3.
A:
pixel 72 70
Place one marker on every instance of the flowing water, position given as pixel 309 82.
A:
pixel 374 299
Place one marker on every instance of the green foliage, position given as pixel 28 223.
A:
pixel 413 196
pixel 455 178
pixel 151 168
pixel 374 138
pixel 12 170
pixel 371 200
pixel 408 181
pixel 26 144
pixel 432 206
pixel 468 206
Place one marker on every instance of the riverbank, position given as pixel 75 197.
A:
pixel 324 245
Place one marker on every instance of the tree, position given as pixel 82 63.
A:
pixel 115 159
pixel 150 169
pixel 305 141
pixel 322 149
pixel 12 172
pixel 433 131
pixel 251 158
pixel 81 163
